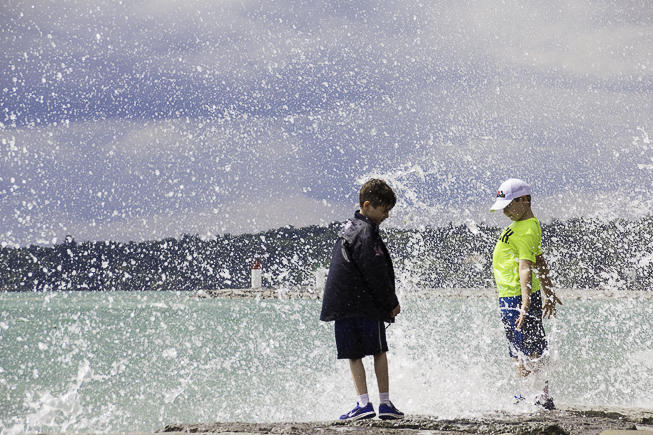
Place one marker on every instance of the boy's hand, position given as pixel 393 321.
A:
pixel 549 308
pixel 396 311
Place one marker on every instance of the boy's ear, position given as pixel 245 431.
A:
pixel 366 205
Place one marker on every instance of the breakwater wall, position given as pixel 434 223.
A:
pixel 415 293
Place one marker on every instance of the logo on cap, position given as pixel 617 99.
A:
pixel 500 194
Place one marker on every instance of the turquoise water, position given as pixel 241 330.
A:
pixel 120 361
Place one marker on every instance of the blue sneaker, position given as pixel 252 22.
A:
pixel 387 411
pixel 359 413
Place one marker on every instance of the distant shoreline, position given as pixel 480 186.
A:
pixel 311 293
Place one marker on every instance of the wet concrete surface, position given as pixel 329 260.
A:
pixel 569 420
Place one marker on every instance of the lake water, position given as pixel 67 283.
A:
pixel 136 361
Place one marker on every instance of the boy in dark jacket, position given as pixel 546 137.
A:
pixel 359 296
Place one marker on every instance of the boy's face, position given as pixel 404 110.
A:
pixel 517 209
pixel 376 214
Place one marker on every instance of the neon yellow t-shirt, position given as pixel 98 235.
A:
pixel 522 240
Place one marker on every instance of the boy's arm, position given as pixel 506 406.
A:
pixel 372 262
pixel 526 281
pixel 550 298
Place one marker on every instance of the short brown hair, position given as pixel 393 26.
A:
pixel 377 192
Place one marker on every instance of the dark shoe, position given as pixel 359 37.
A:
pixel 389 412
pixel 359 413
pixel 548 404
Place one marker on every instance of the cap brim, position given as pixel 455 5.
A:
pixel 500 204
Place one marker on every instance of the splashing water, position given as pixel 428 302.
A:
pixel 132 361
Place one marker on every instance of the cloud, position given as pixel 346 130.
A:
pixel 115 114
pixel 599 40
pixel 250 214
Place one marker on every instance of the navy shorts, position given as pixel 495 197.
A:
pixel 358 337
pixel 531 339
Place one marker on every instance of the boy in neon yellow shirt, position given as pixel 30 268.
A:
pixel 517 254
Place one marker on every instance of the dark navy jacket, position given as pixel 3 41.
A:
pixel 361 280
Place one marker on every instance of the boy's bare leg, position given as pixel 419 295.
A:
pixel 521 370
pixel 522 373
pixel 358 373
pixel 381 370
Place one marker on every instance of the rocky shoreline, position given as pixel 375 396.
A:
pixel 569 420
pixel 424 293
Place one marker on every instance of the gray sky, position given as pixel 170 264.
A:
pixel 136 120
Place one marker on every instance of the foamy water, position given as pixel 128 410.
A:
pixel 138 361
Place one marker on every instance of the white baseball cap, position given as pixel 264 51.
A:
pixel 509 190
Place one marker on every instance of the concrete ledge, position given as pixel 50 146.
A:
pixel 568 420
pixel 627 432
